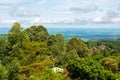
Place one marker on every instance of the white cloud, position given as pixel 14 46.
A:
pixel 21 1
pixel 60 11
pixel 26 14
pixel 85 9
pixel 3 8
pixel 36 20
pixel 116 20
pixel 11 1
pixel 53 21
pixel 23 12
pixel 110 16
pixel 8 21
pixel 98 19
pixel 41 1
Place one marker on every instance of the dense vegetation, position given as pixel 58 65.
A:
pixel 30 54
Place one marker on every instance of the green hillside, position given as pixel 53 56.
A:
pixel 30 54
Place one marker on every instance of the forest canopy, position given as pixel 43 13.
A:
pixel 30 54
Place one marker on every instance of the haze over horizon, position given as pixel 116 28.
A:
pixel 55 13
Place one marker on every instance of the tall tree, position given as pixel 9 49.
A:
pixel 37 33
pixel 79 46
pixel 16 36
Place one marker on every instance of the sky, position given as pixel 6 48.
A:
pixel 56 13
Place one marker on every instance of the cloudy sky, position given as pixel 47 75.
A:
pixel 97 13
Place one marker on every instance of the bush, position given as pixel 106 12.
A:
pixel 86 68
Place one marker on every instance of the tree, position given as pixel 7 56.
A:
pixel 67 56
pixel 110 64
pixel 106 52
pixel 88 69
pixel 37 33
pixel 13 68
pixel 3 72
pixel 80 46
pixel 51 40
pixel 16 36
pixel 32 49
pixel 3 49
pixel 56 44
pixel 60 42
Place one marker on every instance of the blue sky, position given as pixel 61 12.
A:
pixel 81 13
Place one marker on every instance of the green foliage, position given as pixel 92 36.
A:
pixel 112 46
pixel 67 56
pixel 89 69
pixel 3 72
pixel 30 54
pixel 110 64
pixel 37 33
pixel 98 57
pixel 50 75
pixel 80 46
pixel 106 52
pixel 3 49
pixel 14 34
pixel 56 43
pixel 60 42
pixel 13 68
pixel 32 49
pixel 51 40
pixel 84 68
pixel 107 75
